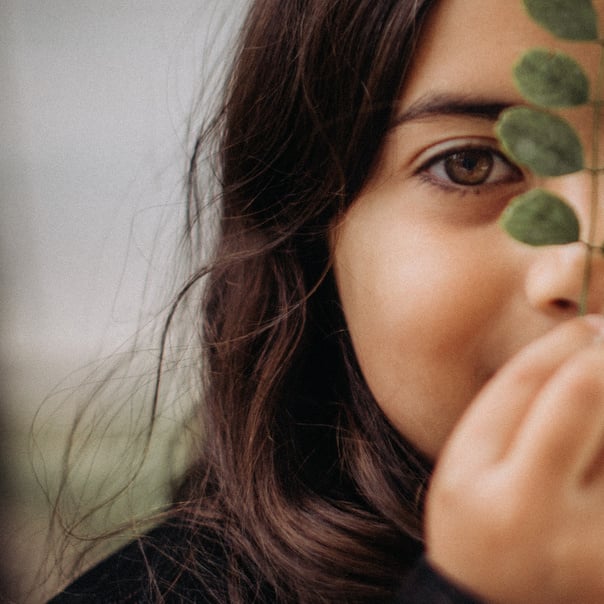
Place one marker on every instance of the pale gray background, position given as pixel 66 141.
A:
pixel 94 104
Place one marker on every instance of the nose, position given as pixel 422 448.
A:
pixel 555 280
pixel 564 278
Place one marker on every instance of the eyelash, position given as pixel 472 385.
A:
pixel 445 182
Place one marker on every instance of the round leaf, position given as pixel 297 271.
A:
pixel 545 143
pixel 539 217
pixel 568 19
pixel 551 79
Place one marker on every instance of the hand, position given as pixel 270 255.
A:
pixel 515 510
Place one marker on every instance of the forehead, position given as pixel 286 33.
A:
pixel 470 46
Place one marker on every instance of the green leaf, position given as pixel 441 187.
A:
pixel 551 79
pixel 568 19
pixel 539 217
pixel 545 143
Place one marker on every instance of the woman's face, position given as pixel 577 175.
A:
pixel 436 296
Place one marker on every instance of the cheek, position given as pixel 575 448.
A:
pixel 420 304
pixel 428 312
pixel 408 290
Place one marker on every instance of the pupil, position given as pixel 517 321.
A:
pixel 470 167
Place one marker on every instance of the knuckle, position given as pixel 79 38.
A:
pixel 583 376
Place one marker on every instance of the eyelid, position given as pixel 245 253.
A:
pixel 437 151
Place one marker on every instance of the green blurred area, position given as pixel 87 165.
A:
pixel 110 465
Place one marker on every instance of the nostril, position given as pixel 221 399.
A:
pixel 564 304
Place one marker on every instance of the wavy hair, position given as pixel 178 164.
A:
pixel 311 492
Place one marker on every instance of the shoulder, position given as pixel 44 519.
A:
pixel 423 584
pixel 173 565
pixel 156 567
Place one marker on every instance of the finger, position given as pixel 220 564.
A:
pixel 563 431
pixel 492 421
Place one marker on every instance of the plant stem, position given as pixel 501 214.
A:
pixel 595 181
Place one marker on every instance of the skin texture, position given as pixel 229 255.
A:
pixel 518 515
pixel 467 338
pixel 437 297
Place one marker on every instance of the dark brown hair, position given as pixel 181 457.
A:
pixel 311 492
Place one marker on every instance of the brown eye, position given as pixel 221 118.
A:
pixel 469 167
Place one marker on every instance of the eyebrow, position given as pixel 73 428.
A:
pixel 445 104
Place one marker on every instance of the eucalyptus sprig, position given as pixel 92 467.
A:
pixel 536 137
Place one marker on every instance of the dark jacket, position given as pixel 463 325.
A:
pixel 150 569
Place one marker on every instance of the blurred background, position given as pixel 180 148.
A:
pixel 94 113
